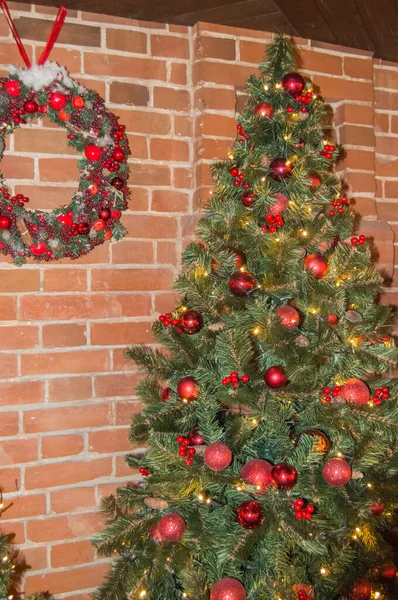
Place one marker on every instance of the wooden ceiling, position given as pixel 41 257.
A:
pixel 365 24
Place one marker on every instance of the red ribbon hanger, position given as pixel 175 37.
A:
pixel 52 38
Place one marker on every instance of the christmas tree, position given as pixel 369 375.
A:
pixel 269 433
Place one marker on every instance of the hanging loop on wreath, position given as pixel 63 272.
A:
pixel 92 217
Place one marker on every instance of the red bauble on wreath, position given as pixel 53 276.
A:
pixel 264 109
pixel 288 316
pixel 280 205
pixel 280 168
pixel 293 84
pixel 241 283
pixel 171 527
pixel 337 472
pixel 228 588
pixel 187 389
pixel 317 265
pixel 249 515
pixel 275 377
pixel 284 476
pixel 355 391
pixel 217 456
pixel 362 590
pixel 191 321
pixel 258 473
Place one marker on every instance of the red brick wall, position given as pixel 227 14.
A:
pixel 66 393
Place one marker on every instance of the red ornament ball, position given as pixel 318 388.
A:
pixel 5 222
pixel 240 258
pixel 280 168
pixel 377 509
pixel 317 264
pixel 333 320
pixel 284 476
pixel 57 101
pixel 249 514
pixel 154 533
pixel 191 321
pixel 281 204
pixel 217 456
pixel 293 84
pixel 248 199
pixel 258 473
pixel 196 438
pixel 355 392
pixel 362 589
pixel 105 214
pixel 12 87
pixel 77 102
pixel 118 154
pixel 275 377
pixel 92 152
pixel 30 106
pixel 288 316
pixel 99 225
pixel 387 572
pixel 228 588
pixel 171 527
pixel 117 183
pixel 165 395
pixel 187 389
pixel 264 109
pixel 314 179
pixel 241 283
pixel 336 472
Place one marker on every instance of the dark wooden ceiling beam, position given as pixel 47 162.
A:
pixel 307 19
pixel 346 23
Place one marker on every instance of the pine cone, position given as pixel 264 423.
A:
pixel 156 503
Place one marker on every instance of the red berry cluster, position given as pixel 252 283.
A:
pixel 302 595
pixel 274 222
pixel 327 391
pixel 19 199
pixel 327 151
pixel 118 134
pixel 303 512
pixel 234 379
pixel 339 204
pixel 238 178
pixel 355 241
pixel 144 472
pixel 184 450
pixel 168 321
pixel 117 156
pixel 305 99
pixel 380 395
pixel 242 132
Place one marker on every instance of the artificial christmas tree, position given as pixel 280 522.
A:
pixel 270 436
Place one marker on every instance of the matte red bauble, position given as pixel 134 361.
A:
pixel 264 109
pixel 362 589
pixel 387 572
pixel 57 101
pixel 5 222
pixel 118 154
pixel 355 391
pixel 78 102
pixel 171 527
pixel 196 438
pixel 30 106
pixel 105 214
pixel 228 588
pixel 165 395
pixel 280 169
pixel 12 87
pixel 191 321
pixel 315 179
pixel 154 533
pixel 248 199
pixel 92 152
pixel 117 183
pixel 336 472
pixel 288 316
pixel 258 473
pixel 317 264
pixel 284 476
pixel 293 83
pixel 241 283
pixel 187 389
pixel 377 509
pixel 333 320
pixel 281 204
pixel 275 377
pixel 217 456
pixel 240 258
pixel 249 514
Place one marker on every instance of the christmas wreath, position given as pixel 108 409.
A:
pixel 92 217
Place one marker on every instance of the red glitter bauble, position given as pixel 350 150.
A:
pixel 315 179
pixel 355 391
pixel 288 316
pixel 284 476
pixel 293 83
pixel 191 321
pixel 12 87
pixel 240 258
pixel 336 472
pixel 281 204
pixel 258 473
pixel 5 222
pixel 317 264
pixel 275 377
pixel 333 320
pixel 248 199
pixel 105 214
pixel 264 109
pixel 377 509
pixel 165 395
pixel 92 152
pixel 217 456
pixel 57 101
pixel 228 588
pixel 154 533
pixel 241 283
pixel 362 589
pixel 280 169
pixel 171 527
pixel 249 514
pixel 118 154
pixel 187 389
pixel 117 183
pixel 30 106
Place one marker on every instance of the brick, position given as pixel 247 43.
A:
pixel 58 169
pixel 123 333
pixel 129 305
pixel 170 99
pixel 229 74
pixel 95 84
pixel 62 307
pixel 166 253
pixel 19 280
pixel 394 122
pixel 127 40
pixel 112 440
pixel 10 480
pixel 334 88
pixel 113 20
pixel 64 334
pixel 17 167
pixel 139 199
pixel 129 93
pixel 67 389
pixel 24 506
pixel 72 33
pixel 170 150
pixel 21 392
pixel 356 135
pixel 121 362
pixel 56 363
pixel 354 113
pixel 217 125
pixel 87 578
pixel 358 159
pixel 139 121
pixel 123 469
pixel 386 167
pixel 54 446
pixel 391 189
pixel 381 123
pixel 169 201
pixel 9 424
pixel 213 148
pixel 18 451
pixel 74 500
pixel 387 145
pixel 62 419
pixel 63 528
pixel 65 473
pixel 215 47
pixel 8 308
pixel 387 211
pixel 360 68
pixel 152 227
pixel 216 98
pixel 321 62
pixel 386 78
pixel 74 553
pixel 64 280
pixel 36 558
pixel 178 73
pixel 118 66
pixel 42 141
pixel 182 178
pixel 14 530
pixel 386 100
pixel 133 252
pixel 169 46
pixel 122 384
pixel 360 182
pixel 138 146
pixel 67 57
pixel 47 196
pixel 183 126
pixel 9 53
pixel 164 301
pixel 17 337
pixel 252 52
pixel 126 410
pixel 138 279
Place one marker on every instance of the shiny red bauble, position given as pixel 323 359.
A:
pixel 275 377
pixel 217 456
pixel 187 389
pixel 117 183
pixel 57 101
pixel 191 321
pixel 241 283
pixel 248 199
pixel 314 179
pixel 30 106
pixel 118 154
pixel 166 394
pixel 171 527
pixel 317 265
pixel 258 473
pixel 92 152
pixel 280 168
pixel 249 514
pixel 293 84
pixel 284 476
pixel 362 589
pixel 78 102
pixel 240 258
pixel 228 588
pixel 99 225
pixel 5 222
pixel 263 109
pixel 336 472
pixel 387 572
pixel 288 316
pixel 333 320
pixel 280 205
pixel 12 87
pixel 105 214
pixel 377 509
pixel 196 438
pixel 355 391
